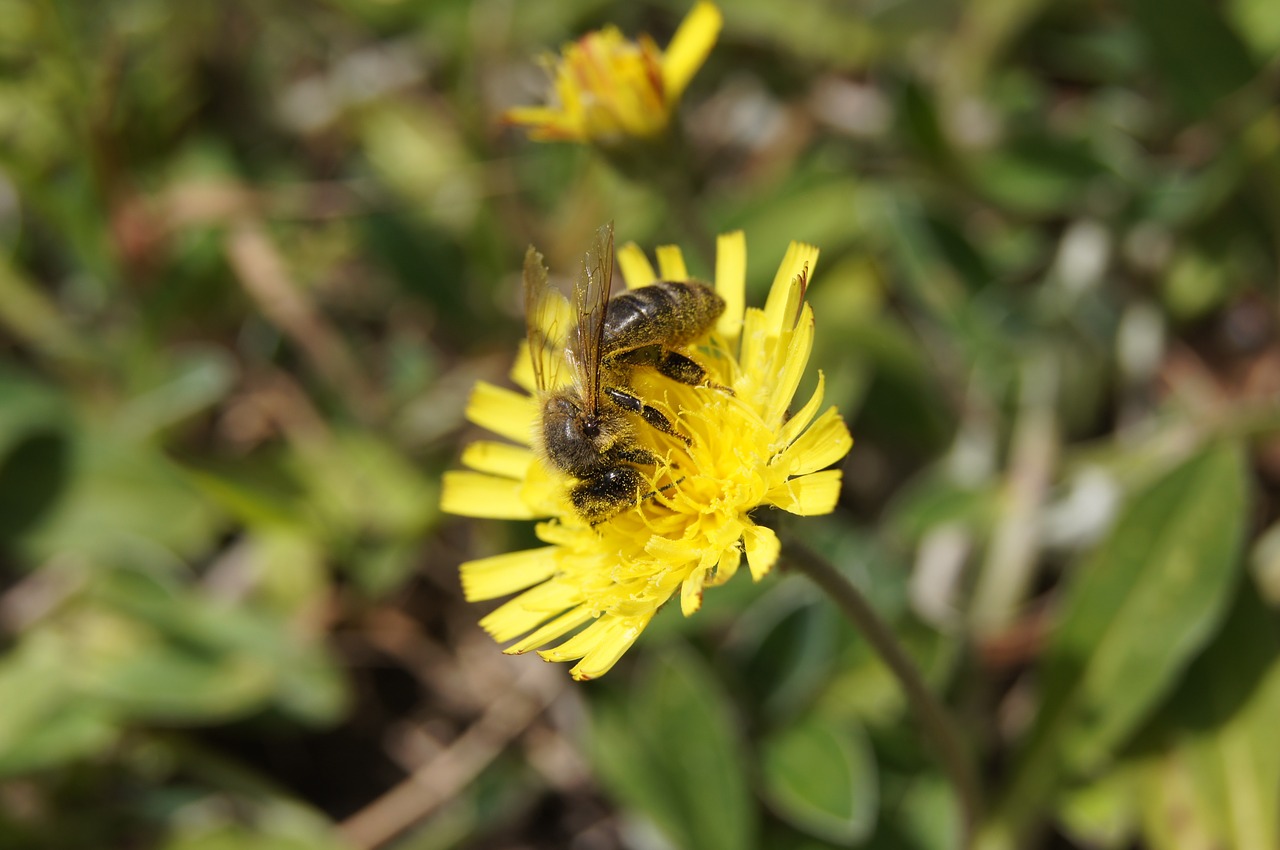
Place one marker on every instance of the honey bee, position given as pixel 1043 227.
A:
pixel 584 428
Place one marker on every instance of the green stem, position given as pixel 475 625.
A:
pixel 938 725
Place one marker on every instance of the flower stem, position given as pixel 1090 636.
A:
pixel 938 725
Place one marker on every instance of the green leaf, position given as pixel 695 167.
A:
pixel 1136 613
pixel 190 382
pixel 1037 176
pixel 821 776
pixel 169 682
pixel 275 824
pixel 784 645
pixel 192 657
pixel 1258 24
pixel 1218 775
pixel 124 502
pixel 1201 59
pixel 923 812
pixel 1103 812
pixel 34 449
pixel 46 720
pixel 935 499
pixel 1146 601
pixel 672 750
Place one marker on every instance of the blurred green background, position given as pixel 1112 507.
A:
pixel 254 255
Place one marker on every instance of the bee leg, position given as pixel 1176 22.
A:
pixel 673 364
pixel 665 487
pixel 686 370
pixel 635 454
pixel 656 418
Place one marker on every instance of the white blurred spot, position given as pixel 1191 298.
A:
pixel 1264 562
pixel 312 103
pixel 1084 513
pixel 1083 255
pixel 1140 341
pixel 939 566
pixel 849 107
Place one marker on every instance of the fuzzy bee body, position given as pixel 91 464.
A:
pixel 668 313
pixel 584 429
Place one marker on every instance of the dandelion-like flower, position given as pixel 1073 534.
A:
pixel 609 89
pixel 602 584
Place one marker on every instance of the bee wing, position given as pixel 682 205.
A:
pixel 590 298
pixel 539 315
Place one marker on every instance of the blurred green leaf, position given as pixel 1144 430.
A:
pixel 34 451
pixel 276 824
pixel 784 644
pixel 183 656
pixel 671 748
pixel 47 720
pixel 1217 775
pixel 194 380
pixel 920 813
pixel 811 205
pixel 1258 24
pixel 262 493
pixel 1102 812
pixel 1201 59
pixel 1196 284
pixel 123 501
pixel 1143 604
pixel 1137 611
pixel 161 681
pixel 820 775
pixel 933 499
pixel 1038 176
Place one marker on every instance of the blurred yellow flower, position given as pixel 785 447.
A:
pixel 746 452
pixel 609 89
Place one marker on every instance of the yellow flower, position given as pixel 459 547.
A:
pixel 606 582
pixel 609 89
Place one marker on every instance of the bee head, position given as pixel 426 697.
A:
pixel 576 440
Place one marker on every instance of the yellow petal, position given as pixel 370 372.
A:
pixel 557 628
pixel 796 358
pixel 807 495
pixel 671 263
pixel 504 412
pixel 498 458
pixel 762 548
pixel 731 283
pixel 522 369
pixel 819 447
pixel 600 645
pixel 528 610
pixel 675 552
pixel 480 495
pixel 581 643
pixel 802 417
pixel 728 566
pixel 782 306
pixel 754 343
pixel 689 48
pixel 606 654
pixel 691 592
pixel 635 266
pixel 489 578
pixel 532 115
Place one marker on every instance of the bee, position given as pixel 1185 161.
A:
pixel 584 427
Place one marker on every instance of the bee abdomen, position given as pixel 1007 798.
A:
pixel 668 312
